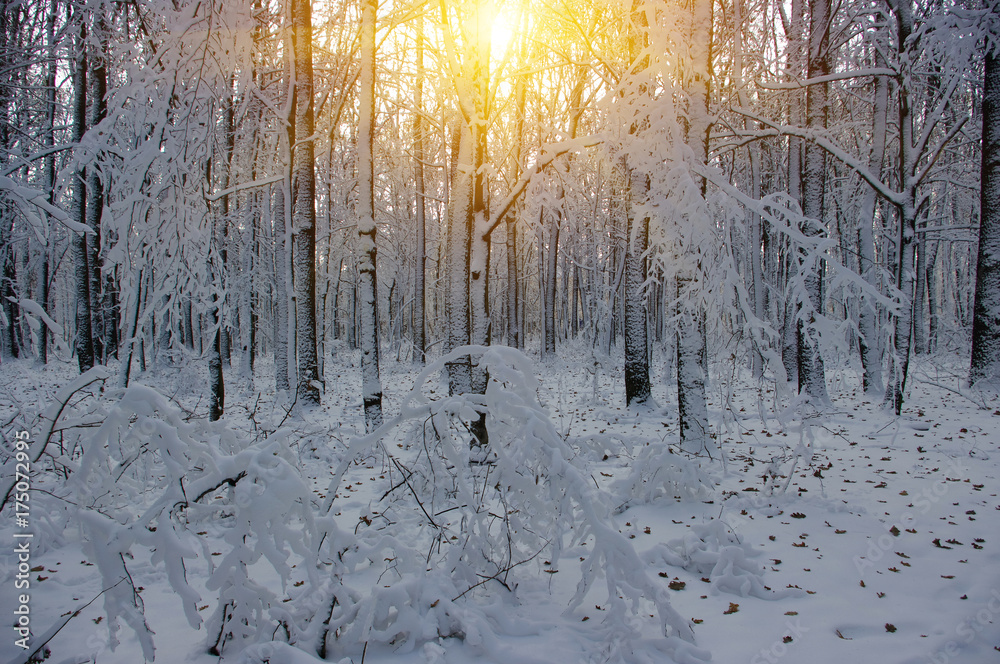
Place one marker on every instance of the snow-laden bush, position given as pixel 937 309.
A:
pixel 459 521
pixel 148 478
pixel 713 550
pixel 659 472
pixel 447 548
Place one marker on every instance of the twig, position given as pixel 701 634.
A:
pixel 980 404
pixel 503 571
pixel 49 635
pixel 231 481
pixel 406 479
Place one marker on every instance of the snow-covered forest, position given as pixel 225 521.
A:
pixel 500 331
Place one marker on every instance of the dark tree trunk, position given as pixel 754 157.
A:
pixel 637 387
pixel 985 365
pixel 84 339
pixel 303 207
pixel 419 284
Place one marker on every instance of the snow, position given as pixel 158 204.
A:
pixel 842 535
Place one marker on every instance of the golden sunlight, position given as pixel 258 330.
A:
pixel 504 29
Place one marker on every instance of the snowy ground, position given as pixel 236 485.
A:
pixel 887 529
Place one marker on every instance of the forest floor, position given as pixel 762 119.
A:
pixel 888 526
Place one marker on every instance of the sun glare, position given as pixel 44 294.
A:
pixel 504 29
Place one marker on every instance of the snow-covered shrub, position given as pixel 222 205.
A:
pixel 455 536
pixel 712 549
pixel 660 472
pixel 148 479
pixel 458 521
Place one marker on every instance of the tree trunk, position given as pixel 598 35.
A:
pixel 97 86
pixel 130 339
pixel 218 269
pixel 188 323
pixel 985 366
pixel 514 317
pixel 217 400
pixel 756 288
pixel 84 340
pixel 459 235
pixel 371 389
pixel 281 346
pixel 551 256
pixel 513 313
pixel 920 297
pixel 480 332
pixel 796 63
pixel 868 323
pixel 812 378
pixel 907 211
pixel 419 283
pixel 12 341
pixel 692 365
pixel 637 387
pixel 49 176
pixel 303 208
pixel 932 302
